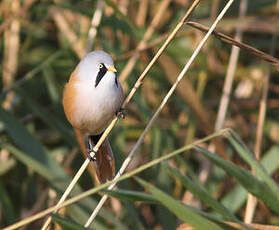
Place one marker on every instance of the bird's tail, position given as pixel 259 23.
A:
pixel 104 162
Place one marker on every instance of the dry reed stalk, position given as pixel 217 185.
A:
pixel 10 59
pixel 95 22
pixel 156 114
pixel 252 200
pixel 187 92
pixel 160 51
pixel 123 6
pixel 11 49
pixel 114 121
pixel 252 24
pixel 262 112
pixel 221 115
pixel 272 60
pixel 65 28
pixel 223 107
pixel 19 13
pixel 132 61
pixel 144 48
pixel 142 12
pixel 2 8
pixel 214 9
pixel 82 22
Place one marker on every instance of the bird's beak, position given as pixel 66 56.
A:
pixel 112 69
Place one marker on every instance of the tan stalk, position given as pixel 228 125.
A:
pixel 272 60
pixel 214 9
pixel 10 59
pixel 132 61
pixel 252 200
pixel 11 48
pixel 96 19
pixel 64 26
pixel 147 46
pixel 156 114
pixel 189 95
pixel 230 72
pixel 142 13
pixel 19 13
pixel 223 106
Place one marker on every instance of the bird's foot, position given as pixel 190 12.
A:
pixel 120 113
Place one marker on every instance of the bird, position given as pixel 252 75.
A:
pixel 91 98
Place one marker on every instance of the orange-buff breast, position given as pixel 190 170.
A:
pixel 69 97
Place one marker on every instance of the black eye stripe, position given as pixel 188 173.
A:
pixel 101 74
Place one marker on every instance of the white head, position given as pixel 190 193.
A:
pixel 97 68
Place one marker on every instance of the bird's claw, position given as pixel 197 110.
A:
pixel 120 113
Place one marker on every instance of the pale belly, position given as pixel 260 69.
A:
pixel 93 110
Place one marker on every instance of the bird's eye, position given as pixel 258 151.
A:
pixel 100 66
